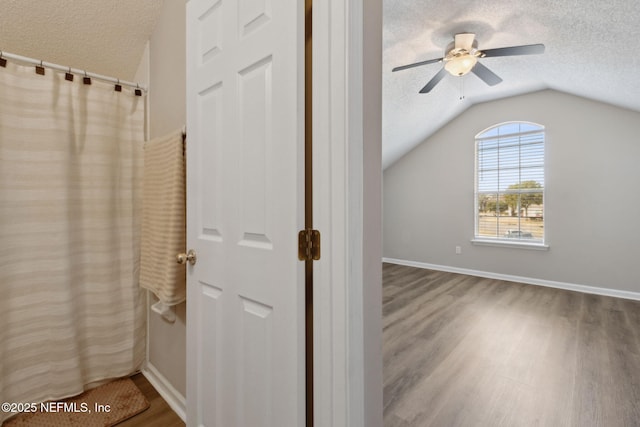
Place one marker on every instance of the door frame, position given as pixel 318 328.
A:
pixel 347 177
pixel 347 190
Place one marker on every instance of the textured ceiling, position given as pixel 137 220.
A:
pixel 101 36
pixel 591 50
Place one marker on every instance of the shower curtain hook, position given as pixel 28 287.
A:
pixel 118 87
pixel 40 69
pixel 68 75
pixel 3 62
pixel 86 79
pixel 138 92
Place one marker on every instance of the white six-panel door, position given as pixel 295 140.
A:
pixel 245 183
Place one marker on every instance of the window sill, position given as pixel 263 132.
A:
pixel 507 244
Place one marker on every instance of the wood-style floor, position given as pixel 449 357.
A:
pixel 467 351
pixel 159 413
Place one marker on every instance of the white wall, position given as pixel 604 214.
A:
pixel 592 202
pixel 167 112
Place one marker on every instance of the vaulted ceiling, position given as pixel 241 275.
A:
pixel 591 51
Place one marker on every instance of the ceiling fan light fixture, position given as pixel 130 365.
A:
pixel 460 65
pixel 461 56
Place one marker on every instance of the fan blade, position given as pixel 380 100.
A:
pixel 485 74
pixel 417 64
pixel 464 41
pixel 434 81
pixel 530 49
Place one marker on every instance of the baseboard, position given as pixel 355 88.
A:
pixel 520 279
pixel 174 399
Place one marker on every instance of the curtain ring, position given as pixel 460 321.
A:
pixel 68 76
pixel 40 69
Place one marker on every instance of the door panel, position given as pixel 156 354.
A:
pixel 255 109
pixel 245 174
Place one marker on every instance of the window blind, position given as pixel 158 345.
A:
pixel 510 182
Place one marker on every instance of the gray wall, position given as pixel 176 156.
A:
pixel 592 201
pixel 372 215
pixel 167 112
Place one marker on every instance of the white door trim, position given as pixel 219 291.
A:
pixel 347 174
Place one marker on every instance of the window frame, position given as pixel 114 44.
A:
pixel 499 240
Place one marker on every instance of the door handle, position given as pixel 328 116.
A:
pixel 189 257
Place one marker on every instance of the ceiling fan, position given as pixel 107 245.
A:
pixel 461 56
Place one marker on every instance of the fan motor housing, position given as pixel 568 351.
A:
pixel 450 51
pixel 458 61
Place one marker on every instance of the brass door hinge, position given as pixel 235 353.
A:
pixel 309 245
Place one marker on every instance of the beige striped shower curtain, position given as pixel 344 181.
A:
pixel 71 312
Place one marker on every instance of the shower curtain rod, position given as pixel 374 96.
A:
pixel 77 71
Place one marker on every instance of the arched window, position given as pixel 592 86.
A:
pixel 509 190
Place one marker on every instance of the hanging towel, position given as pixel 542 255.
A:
pixel 163 218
